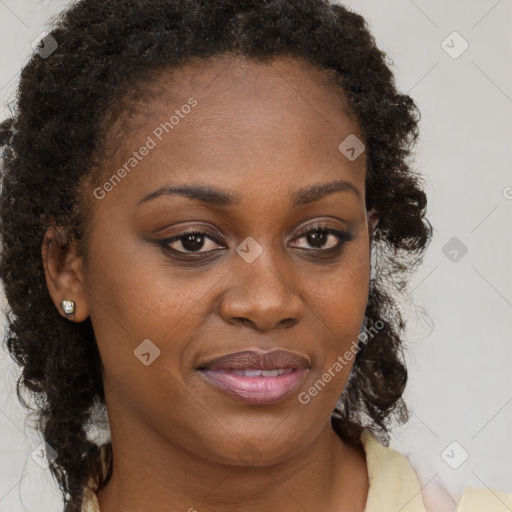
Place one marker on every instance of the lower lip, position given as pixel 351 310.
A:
pixel 257 390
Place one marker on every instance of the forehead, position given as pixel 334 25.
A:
pixel 256 121
pixel 235 91
pixel 278 77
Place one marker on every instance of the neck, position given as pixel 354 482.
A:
pixel 327 475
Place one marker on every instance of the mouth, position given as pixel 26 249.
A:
pixel 257 378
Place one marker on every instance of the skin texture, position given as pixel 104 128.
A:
pixel 261 131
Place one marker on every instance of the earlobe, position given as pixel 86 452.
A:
pixel 64 275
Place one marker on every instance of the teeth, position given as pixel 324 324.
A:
pixel 252 373
pixel 270 373
pixel 264 373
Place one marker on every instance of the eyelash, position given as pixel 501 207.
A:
pixel 343 237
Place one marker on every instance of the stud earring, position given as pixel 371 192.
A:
pixel 69 307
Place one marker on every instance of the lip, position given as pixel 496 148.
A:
pixel 227 374
pixel 256 390
pixel 250 359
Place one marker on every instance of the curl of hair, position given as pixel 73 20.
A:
pixel 106 51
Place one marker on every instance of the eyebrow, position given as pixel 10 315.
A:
pixel 218 197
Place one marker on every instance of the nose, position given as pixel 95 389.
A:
pixel 262 295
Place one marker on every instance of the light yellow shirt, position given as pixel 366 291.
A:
pixel 394 486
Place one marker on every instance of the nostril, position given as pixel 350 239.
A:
pixel 288 322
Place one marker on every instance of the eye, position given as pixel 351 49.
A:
pixel 319 236
pixel 194 240
pixel 191 241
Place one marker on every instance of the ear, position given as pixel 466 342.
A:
pixel 373 220
pixel 63 268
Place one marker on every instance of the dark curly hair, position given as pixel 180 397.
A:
pixel 106 54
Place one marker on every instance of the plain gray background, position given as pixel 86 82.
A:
pixel 459 346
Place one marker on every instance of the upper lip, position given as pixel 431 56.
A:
pixel 249 359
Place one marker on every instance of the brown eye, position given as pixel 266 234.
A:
pixel 192 241
pixel 319 236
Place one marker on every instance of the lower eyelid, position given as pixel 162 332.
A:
pixel 341 235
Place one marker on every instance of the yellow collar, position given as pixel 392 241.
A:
pixel 393 483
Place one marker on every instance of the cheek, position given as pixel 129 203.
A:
pixel 135 294
pixel 340 304
pixel 342 295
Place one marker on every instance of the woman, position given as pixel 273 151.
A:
pixel 207 212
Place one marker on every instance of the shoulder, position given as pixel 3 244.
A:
pixel 395 478
pixel 477 499
pixel 473 499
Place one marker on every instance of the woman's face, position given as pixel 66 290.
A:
pixel 242 153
